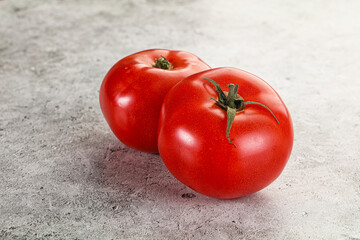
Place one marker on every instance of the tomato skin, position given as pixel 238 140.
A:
pixel 133 90
pixel 192 141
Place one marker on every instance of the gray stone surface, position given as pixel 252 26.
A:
pixel 63 174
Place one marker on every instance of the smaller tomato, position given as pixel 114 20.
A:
pixel 224 133
pixel 133 90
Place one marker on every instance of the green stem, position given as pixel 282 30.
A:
pixel 233 103
pixel 222 96
pixel 260 104
pixel 163 63
pixel 230 101
pixel 230 116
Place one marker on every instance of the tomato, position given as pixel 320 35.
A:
pixel 133 90
pixel 221 143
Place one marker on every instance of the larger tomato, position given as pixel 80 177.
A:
pixel 221 143
pixel 133 90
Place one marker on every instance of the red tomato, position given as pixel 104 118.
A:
pixel 133 90
pixel 193 140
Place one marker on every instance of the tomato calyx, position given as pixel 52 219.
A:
pixel 233 103
pixel 163 63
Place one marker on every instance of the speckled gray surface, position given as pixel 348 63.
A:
pixel 63 174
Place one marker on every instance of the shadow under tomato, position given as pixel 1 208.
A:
pixel 135 174
pixel 139 183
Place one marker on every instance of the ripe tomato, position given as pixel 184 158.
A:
pixel 133 90
pixel 196 125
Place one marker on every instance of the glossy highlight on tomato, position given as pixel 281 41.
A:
pixel 133 90
pixel 193 140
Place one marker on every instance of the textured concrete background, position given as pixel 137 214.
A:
pixel 63 174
